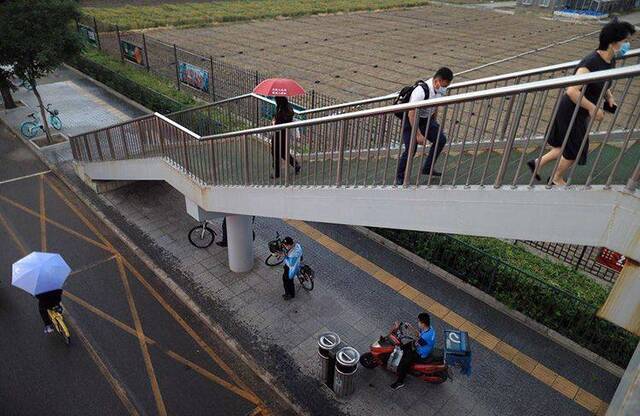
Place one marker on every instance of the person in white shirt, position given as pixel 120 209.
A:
pixel 428 127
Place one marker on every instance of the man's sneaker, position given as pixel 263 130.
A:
pixel 397 385
pixel 48 329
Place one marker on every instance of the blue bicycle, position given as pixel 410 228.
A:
pixel 31 128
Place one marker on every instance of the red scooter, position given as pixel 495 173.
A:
pixel 387 351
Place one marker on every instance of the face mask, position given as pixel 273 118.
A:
pixel 442 90
pixel 626 47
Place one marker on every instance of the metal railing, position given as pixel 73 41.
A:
pixel 358 148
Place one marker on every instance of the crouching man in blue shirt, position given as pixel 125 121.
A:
pixel 423 348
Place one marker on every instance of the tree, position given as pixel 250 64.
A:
pixel 37 37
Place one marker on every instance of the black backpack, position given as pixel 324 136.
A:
pixel 405 94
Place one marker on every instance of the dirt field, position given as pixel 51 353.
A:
pixel 367 54
pixel 116 3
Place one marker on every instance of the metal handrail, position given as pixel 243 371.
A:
pixel 466 84
pixel 610 74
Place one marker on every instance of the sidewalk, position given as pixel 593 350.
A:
pixel 354 298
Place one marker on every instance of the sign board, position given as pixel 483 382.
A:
pixel 88 35
pixel 193 76
pixel 132 52
pixel 611 259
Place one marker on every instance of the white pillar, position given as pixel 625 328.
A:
pixel 622 306
pixel 626 401
pixel 240 243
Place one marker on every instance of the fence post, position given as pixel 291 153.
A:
pixel 119 43
pixel 212 80
pixel 175 57
pixel 77 25
pixel 146 52
pixel 313 98
pixel 584 249
pixel 95 28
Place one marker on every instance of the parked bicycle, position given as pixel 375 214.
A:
pixel 202 236
pixel 31 128
pixel 55 314
pixel 277 254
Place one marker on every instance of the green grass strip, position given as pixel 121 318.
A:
pixel 202 14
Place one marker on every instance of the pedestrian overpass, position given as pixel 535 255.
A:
pixel 218 156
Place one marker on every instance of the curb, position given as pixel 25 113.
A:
pixel 280 390
pixel 492 302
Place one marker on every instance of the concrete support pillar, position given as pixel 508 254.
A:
pixel 240 243
pixel 626 401
pixel 623 304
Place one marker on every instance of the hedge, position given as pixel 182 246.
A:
pixel 571 313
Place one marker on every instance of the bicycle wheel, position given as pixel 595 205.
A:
pixel 305 277
pixel 56 122
pixel 273 260
pixel 201 237
pixel 28 129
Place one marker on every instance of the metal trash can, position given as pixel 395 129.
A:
pixel 346 367
pixel 328 345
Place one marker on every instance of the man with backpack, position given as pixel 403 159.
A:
pixel 428 127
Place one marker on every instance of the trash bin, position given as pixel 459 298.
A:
pixel 346 367
pixel 328 344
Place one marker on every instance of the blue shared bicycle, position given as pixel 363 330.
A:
pixel 31 128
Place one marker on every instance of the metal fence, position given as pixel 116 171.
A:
pixel 202 76
pixel 579 257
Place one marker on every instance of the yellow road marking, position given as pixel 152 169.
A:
pixel 141 339
pixel 156 295
pixel 91 266
pixel 54 223
pixel 43 216
pixel 488 340
pixel 13 235
pixel 104 370
pixel 165 350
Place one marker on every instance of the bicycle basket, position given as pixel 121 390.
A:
pixel 274 246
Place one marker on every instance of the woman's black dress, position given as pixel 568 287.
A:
pixel 593 62
pixel 279 144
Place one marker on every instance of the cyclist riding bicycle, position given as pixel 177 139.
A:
pixel 292 259
pixel 46 301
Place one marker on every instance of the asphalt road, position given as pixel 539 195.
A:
pixel 136 348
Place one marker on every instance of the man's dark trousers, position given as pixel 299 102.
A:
pixel 289 287
pixel 431 134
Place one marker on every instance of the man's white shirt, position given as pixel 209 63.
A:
pixel 418 95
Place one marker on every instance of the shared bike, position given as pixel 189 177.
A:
pixel 31 128
pixel 55 314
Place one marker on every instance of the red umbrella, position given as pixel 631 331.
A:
pixel 279 87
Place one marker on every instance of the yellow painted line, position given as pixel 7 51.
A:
pixel 104 370
pixel 54 223
pixel 156 295
pixel 508 352
pixel 166 351
pixel 155 387
pixel 13 235
pixel 91 265
pixel 43 217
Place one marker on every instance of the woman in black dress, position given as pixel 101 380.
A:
pixel 614 42
pixel 284 114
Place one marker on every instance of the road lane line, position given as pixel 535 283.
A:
pixel 525 363
pixel 205 373
pixel 91 265
pixel 43 216
pixel 19 178
pixel 155 387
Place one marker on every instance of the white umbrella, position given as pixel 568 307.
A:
pixel 40 272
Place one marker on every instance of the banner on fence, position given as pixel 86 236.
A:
pixel 193 76
pixel 132 52
pixel 88 35
pixel 611 259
